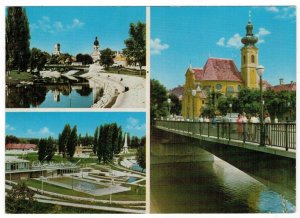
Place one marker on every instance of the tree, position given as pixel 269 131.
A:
pixel 19 199
pixel 17 39
pixel 38 59
pixel 135 50
pixel 64 139
pixel 175 104
pixel 46 149
pixel 84 58
pixel 71 146
pixel 158 100
pixel 141 156
pixel 107 58
pixel 11 139
pixel 95 140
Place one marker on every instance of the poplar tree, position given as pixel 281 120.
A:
pixel 72 142
pixel 17 39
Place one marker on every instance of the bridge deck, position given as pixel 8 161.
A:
pixel 281 151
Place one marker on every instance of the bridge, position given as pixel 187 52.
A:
pixel 273 164
pixel 85 68
pixel 280 138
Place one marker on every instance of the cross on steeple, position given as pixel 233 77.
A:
pixel 249 15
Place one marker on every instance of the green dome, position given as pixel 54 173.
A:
pixel 249 39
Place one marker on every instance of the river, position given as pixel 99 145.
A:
pixel 188 179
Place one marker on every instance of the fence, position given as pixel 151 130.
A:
pixel 277 135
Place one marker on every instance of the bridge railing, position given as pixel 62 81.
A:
pixel 277 135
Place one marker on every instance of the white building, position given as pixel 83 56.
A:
pixel 56 50
pixel 96 52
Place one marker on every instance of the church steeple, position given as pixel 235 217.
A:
pixel 249 57
pixel 249 39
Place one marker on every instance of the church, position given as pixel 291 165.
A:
pixel 220 75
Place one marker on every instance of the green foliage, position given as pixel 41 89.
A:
pixel 175 107
pixel 19 199
pixel 158 100
pixel 108 139
pixel 107 58
pixel 135 50
pixel 63 139
pixel 46 149
pixel 38 59
pixel 84 58
pixel 17 39
pixel 71 146
pixel 141 156
pixel 11 139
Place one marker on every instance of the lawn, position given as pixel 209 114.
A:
pixel 16 77
pixel 126 71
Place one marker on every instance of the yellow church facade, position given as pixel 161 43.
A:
pixel 220 75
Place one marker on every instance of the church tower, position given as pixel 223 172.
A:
pixel 249 58
pixel 96 52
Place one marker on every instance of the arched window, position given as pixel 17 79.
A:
pixel 218 87
pixel 244 59
pixel 252 59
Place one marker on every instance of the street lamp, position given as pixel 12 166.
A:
pixel 169 104
pixel 260 70
pixel 194 92
pixel 230 106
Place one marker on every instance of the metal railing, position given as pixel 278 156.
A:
pixel 277 135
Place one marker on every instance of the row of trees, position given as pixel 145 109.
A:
pixel 13 139
pixel 67 141
pixel 108 141
pixel 280 104
pixel 47 148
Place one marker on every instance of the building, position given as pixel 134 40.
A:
pixel 120 59
pixel 56 50
pixel 220 75
pixel 20 146
pixel 12 163
pixel 96 52
pixel 284 87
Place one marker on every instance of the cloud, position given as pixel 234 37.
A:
pixel 272 9
pixel 261 33
pixel 45 24
pixel 134 124
pixel 43 131
pixel 284 13
pixel 9 127
pixel 221 42
pixel 156 47
pixel 234 41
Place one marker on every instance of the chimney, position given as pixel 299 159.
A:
pixel 281 81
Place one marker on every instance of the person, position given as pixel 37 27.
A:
pixel 267 121
pixel 225 125
pixel 252 121
pixel 239 122
pixel 201 119
pixel 206 119
pixel 276 120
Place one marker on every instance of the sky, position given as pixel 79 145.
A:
pixel 181 36
pixel 45 124
pixel 75 28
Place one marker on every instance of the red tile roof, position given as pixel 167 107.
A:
pixel 266 84
pixel 218 69
pixel 284 87
pixel 20 146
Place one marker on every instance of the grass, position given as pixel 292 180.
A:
pixel 54 188
pixel 132 195
pixel 126 72
pixel 16 77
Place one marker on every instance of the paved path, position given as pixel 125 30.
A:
pixel 95 207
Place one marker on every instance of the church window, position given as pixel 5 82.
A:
pixel 202 101
pixel 252 59
pixel 244 58
pixel 239 87
pixel 230 89
pixel 218 86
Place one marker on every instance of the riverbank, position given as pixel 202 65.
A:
pixel 129 91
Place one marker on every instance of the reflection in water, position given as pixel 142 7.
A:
pixel 188 179
pixel 75 95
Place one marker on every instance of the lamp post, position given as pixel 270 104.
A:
pixel 260 70
pixel 169 105
pixel 194 92
pixel 230 106
pixel 289 110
